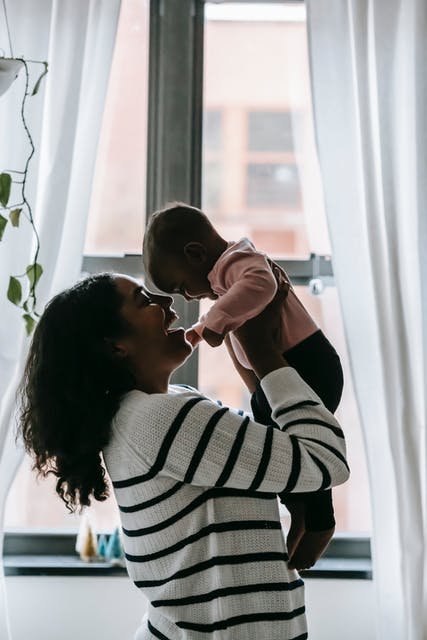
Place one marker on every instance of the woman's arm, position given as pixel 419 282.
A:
pixel 247 375
pixel 193 440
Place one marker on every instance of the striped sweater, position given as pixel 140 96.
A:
pixel 196 486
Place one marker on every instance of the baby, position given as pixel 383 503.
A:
pixel 183 253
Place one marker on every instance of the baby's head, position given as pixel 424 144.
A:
pixel 180 248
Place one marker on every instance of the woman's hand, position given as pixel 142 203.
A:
pixel 309 548
pixel 297 528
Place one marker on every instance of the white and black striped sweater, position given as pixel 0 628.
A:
pixel 196 486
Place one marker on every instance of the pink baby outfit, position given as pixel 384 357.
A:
pixel 245 284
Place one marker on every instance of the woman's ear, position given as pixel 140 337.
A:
pixel 195 253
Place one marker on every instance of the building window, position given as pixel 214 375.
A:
pixel 211 185
pixel 212 130
pixel 273 185
pixel 270 131
pixel 212 137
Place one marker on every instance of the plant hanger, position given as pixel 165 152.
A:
pixel 9 67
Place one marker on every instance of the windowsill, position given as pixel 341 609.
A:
pixel 58 566
pixel 52 554
pixel 326 568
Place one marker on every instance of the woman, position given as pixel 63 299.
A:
pixel 195 482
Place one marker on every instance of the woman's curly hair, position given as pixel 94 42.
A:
pixel 71 388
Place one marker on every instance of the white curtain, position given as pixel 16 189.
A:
pixel 368 69
pixel 77 38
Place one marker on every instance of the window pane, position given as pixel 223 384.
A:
pixel 258 148
pixel 117 210
pixel 116 220
pixel 34 504
pixel 267 186
pixel 351 500
pixel 218 380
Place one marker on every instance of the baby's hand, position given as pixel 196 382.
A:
pixel 310 548
pixel 212 338
pixel 192 337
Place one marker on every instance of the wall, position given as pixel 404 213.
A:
pixel 66 608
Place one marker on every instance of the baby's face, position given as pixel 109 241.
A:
pixel 174 276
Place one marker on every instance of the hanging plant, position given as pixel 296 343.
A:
pixel 22 288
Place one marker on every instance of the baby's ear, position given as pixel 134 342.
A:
pixel 195 253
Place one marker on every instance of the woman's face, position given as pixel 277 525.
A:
pixel 150 344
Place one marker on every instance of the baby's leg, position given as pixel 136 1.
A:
pixel 319 366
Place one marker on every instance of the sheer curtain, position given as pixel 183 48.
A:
pixel 367 62
pixel 77 38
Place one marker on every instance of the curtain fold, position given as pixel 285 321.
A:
pixel 77 38
pixel 367 61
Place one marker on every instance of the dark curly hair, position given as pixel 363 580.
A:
pixel 71 388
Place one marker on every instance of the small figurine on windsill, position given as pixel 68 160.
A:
pixel 114 552
pixel 102 546
pixel 86 543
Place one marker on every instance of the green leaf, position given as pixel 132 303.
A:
pixel 3 223
pixel 30 323
pixel 14 217
pixel 25 305
pixel 14 291
pixel 34 271
pixel 5 185
pixel 37 85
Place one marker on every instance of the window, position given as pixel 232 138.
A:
pixel 260 178
pixel 256 74
pixel 116 222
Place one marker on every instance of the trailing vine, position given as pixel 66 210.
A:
pixel 24 297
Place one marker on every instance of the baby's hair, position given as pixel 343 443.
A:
pixel 170 228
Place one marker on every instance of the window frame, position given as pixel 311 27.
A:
pixel 175 106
